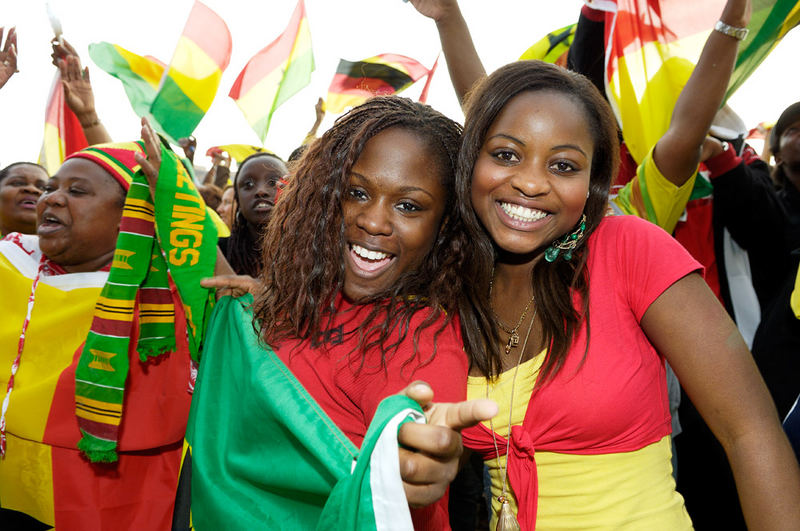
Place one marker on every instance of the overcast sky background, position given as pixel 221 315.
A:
pixel 348 29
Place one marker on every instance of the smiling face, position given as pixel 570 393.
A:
pixel 79 215
pixel 392 211
pixel 531 178
pixel 19 192
pixel 256 184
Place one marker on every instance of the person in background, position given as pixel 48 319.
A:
pixel 21 184
pixel 255 187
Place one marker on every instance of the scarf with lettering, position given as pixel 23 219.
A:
pixel 161 244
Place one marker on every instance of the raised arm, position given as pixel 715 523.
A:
pixel 719 374
pixel 8 56
pixel 677 153
pixel 462 58
pixel 78 92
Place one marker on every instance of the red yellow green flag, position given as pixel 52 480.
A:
pixel 190 84
pixel 653 45
pixel 63 134
pixel 275 74
pixel 140 76
pixel 356 82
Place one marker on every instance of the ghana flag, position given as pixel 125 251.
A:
pixel 653 45
pixel 356 82
pixel 43 474
pixel 275 74
pixel 140 75
pixel 63 134
pixel 190 84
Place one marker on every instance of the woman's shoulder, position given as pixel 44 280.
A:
pixel 624 230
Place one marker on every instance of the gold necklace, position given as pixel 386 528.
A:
pixel 506 520
pixel 513 338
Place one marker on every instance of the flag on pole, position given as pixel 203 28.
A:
pixel 652 47
pixel 423 96
pixel 140 76
pixel 63 133
pixel 190 84
pixel 356 82
pixel 275 74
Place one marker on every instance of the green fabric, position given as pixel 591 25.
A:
pixel 264 454
pixel 188 238
pixel 103 365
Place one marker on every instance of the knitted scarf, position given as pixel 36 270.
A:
pixel 137 294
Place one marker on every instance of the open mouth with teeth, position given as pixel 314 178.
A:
pixel 48 224
pixel 369 261
pixel 262 206
pixel 521 213
pixel 28 204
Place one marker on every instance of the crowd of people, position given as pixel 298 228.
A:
pixel 411 323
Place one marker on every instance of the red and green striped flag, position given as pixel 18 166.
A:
pixel 63 134
pixel 653 45
pixel 275 74
pixel 356 82
pixel 190 84
pixel 140 76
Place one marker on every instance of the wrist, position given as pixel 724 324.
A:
pixel 88 120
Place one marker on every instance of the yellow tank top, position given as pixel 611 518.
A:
pixel 631 490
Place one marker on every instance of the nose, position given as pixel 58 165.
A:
pixel 530 180
pixel 54 198
pixel 266 189
pixel 31 188
pixel 374 219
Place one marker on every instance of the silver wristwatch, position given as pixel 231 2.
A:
pixel 731 31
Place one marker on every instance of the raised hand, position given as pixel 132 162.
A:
pixel 435 9
pixel 429 453
pixel 77 89
pixel 8 56
pixel 150 163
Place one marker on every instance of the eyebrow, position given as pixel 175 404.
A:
pixel 554 148
pixel 568 146
pixel 403 190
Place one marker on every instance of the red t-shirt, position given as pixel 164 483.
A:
pixel 348 384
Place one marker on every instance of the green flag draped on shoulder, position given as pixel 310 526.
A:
pixel 264 455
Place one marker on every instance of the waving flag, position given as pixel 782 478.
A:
pixel 275 74
pixel 653 45
pixel 63 133
pixel 356 82
pixel 140 76
pixel 190 84
pixel 553 47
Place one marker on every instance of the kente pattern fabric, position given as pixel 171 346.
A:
pixel 138 285
pixel 43 474
pixel 615 399
pixel 266 455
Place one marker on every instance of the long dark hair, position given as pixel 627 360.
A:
pixel 304 242
pixel 244 250
pixel 555 282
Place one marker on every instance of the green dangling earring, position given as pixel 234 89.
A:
pixel 566 243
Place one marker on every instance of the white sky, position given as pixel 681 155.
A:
pixel 349 29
